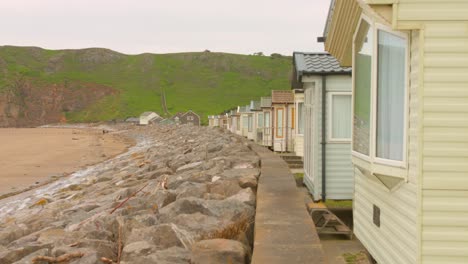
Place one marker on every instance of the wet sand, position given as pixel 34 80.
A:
pixel 31 156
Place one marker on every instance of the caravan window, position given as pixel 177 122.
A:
pixel 340 117
pixel 380 94
pixel 279 122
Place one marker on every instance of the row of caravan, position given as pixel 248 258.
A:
pixel 311 120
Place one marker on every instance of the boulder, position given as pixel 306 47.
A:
pixel 216 251
pixel 189 166
pixel 223 209
pixel 191 189
pixel 15 254
pixel 28 258
pixel 246 196
pixel 214 147
pixel 139 248
pixel 159 172
pixel 225 187
pixel 198 223
pixel 162 236
pixel 238 173
pixel 248 181
pixel 172 255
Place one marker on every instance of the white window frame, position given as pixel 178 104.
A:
pixel 372 158
pixel 297 119
pixel 330 118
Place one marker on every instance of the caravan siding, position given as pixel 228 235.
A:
pixel 339 168
pixel 397 239
pixel 445 140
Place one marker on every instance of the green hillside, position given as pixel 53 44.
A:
pixel 205 82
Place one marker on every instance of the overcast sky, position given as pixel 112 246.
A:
pixel 165 26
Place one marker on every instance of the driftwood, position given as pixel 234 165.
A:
pixel 128 198
pixel 62 258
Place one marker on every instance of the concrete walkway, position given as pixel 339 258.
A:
pixel 284 232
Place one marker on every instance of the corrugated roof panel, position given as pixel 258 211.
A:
pixel 317 63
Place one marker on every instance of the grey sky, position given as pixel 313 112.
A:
pixel 156 26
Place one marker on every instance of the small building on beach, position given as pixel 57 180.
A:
pixel 149 117
pixel 189 118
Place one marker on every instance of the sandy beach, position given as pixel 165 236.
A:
pixel 31 156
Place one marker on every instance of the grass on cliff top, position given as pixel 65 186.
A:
pixel 205 82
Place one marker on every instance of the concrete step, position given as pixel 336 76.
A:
pixel 294 162
pixel 291 158
pixel 296 166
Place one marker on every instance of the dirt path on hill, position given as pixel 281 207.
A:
pixel 31 156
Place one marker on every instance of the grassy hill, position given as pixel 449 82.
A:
pixel 205 82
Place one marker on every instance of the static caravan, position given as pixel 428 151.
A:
pixel 244 120
pixel 247 121
pixel 266 131
pixel 223 121
pixel 257 121
pixel 216 120
pixel 233 120
pixel 328 171
pixel 239 121
pixel 253 120
pixel 410 125
pixel 210 121
pixel 299 122
pixel 282 105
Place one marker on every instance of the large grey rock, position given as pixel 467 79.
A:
pixel 248 181
pixel 223 209
pixel 214 147
pixel 189 166
pixel 173 255
pixel 28 258
pixel 139 248
pixel 191 189
pixel 238 173
pixel 16 254
pixel 198 223
pixel 246 196
pixel 162 236
pixel 225 187
pixel 217 251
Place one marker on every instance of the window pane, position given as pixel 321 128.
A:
pixel 267 119
pixel 245 121
pixel 300 118
pixel 260 120
pixel 390 96
pixel 341 117
pixel 362 88
pixel 250 123
pixel 279 122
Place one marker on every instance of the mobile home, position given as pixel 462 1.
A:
pixel 328 171
pixel 282 105
pixel 299 122
pixel 266 130
pixel 409 141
